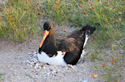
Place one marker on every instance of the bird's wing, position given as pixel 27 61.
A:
pixel 66 44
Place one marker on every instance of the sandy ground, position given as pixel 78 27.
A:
pixel 14 57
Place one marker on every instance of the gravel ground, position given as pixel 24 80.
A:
pixel 18 64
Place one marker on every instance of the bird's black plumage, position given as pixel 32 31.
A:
pixel 72 44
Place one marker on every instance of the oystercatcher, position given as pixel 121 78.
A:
pixel 62 50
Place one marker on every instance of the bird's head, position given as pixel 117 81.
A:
pixel 47 27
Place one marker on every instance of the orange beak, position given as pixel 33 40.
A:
pixel 46 33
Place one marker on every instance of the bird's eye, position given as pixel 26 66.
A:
pixel 47 26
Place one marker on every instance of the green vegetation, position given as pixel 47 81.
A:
pixel 1 76
pixel 18 19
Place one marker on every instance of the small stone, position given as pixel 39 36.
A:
pixel 44 77
pixel 44 67
pixel 53 72
pixel 37 66
pixel 85 81
pixel 69 65
pixel 72 66
pixel 80 80
pixel 48 74
pixel 52 67
pixel 69 68
pixel 31 66
pixel 15 70
pixel 29 53
pixel 34 54
pixel 38 61
pixel 58 70
pixel 36 73
pixel 24 61
pixel 27 61
pixel 41 66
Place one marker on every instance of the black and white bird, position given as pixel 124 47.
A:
pixel 62 50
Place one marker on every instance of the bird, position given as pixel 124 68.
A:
pixel 62 50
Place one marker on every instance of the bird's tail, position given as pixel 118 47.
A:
pixel 87 30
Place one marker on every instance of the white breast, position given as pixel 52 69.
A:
pixel 83 51
pixel 55 60
pixel 86 39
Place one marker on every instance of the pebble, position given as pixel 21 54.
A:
pixel 48 74
pixel 15 70
pixel 58 70
pixel 29 53
pixel 85 81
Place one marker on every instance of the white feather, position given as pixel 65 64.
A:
pixel 83 51
pixel 86 39
pixel 55 60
